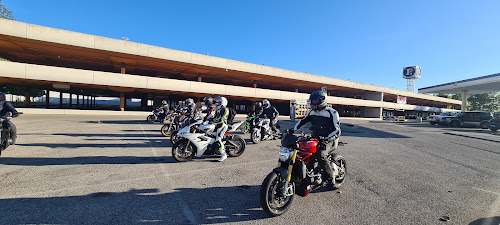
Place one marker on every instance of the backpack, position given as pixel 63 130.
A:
pixel 230 117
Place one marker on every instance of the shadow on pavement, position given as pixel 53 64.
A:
pixel 147 144
pixel 86 160
pixel 486 221
pixel 183 206
pixel 105 135
pixel 117 121
pixel 372 133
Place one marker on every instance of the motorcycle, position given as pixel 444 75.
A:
pixel 298 172
pixel 249 123
pixel 157 116
pixel 198 140
pixel 6 139
pixel 262 131
pixel 177 121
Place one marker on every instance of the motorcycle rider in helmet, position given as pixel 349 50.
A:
pixel 209 103
pixel 271 113
pixel 326 120
pixel 258 110
pixel 164 106
pixel 5 108
pixel 220 120
pixel 190 110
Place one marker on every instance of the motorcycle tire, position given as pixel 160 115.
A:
pixel 183 151
pixel 235 151
pixel 255 136
pixel 339 179
pixel 245 129
pixel 270 201
pixel 164 130
pixel 151 119
pixel 174 138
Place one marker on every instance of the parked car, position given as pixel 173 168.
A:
pixel 434 119
pixel 445 120
pixel 476 119
pixel 495 122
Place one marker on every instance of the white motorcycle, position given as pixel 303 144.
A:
pixel 262 131
pixel 198 140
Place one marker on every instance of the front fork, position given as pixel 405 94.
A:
pixel 286 189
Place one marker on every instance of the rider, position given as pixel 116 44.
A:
pixel 271 113
pixel 220 120
pixel 190 112
pixel 258 110
pixel 164 106
pixel 209 103
pixel 327 124
pixel 5 108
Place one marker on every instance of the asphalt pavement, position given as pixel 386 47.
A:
pixel 77 169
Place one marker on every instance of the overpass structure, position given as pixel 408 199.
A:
pixel 478 85
pixel 88 65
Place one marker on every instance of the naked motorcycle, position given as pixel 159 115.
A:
pixel 298 172
pixel 198 140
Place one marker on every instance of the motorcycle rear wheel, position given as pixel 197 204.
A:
pixel 151 119
pixel 271 200
pixel 182 152
pixel 339 179
pixel 235 151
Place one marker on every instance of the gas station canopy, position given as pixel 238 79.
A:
pixel 478 85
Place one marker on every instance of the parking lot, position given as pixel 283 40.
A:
pixel 119 170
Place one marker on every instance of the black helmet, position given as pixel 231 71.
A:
pixel 164 102
pixel 317 100
pixel 208 100
pixel 2 97
pixel 258 104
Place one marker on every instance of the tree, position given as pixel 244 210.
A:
pixel 5 13
pixel 484 102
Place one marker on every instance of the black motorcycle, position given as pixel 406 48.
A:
pixel 6 139
pixel 157 116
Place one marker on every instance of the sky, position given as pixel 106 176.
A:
pixel 363 41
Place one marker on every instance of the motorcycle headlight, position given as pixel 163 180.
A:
pixel 285 154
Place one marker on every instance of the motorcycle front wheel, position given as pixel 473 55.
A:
pixel 235 146
pixel 272 200
pixel 151 119
pixel 164 130
pixel 255 136
pixel 183 151
pixel 174 138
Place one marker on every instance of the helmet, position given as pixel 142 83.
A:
pixel 189 101
pixel 318 100
pixel 208 100
pixel 164 102
pixel 258 104
pixel 220 101
pixel 2 97
pixel 266 103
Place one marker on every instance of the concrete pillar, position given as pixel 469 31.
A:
pixel 60 99
pixel 77 101
pixel 123 68
pixel 83 101
pixel 297 89
pixel 27 100
pixel 464 101
pixel 254 86
pixel 198 100
pixel 70 100
pixel 144 101
pixel 47 98
pixel 122 101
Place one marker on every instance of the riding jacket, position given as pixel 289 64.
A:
pixel 326 119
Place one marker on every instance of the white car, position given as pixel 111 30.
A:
pixel 434 119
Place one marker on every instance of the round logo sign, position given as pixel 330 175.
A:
pixel 409 71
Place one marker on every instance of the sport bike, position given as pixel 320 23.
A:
pixel 248 125
pixel 197 140
pixel 262 131
pixel 298 172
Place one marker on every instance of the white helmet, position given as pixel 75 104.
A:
pixel 189 101
pixel 220 101
pixel 164 102
pixel 266 104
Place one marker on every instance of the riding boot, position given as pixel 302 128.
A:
pixel 223 155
